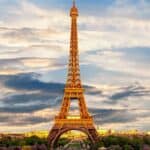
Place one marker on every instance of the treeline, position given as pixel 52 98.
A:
pixel 8 141
pixel 110 142
pixel 124 142
pixel 34 142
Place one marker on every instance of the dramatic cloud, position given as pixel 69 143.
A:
pixel 46 97
pixel 43 95
pixel 114 60
pixel 132 91
pixel 22 65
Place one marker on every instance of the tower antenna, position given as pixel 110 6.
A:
pixel 74 3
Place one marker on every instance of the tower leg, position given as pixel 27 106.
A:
pixel 55 133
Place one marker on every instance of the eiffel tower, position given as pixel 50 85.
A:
pixel 73 92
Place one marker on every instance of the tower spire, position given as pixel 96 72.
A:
pixel 73 79
pixel 74 3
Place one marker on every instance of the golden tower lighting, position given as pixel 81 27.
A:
pixel 73 92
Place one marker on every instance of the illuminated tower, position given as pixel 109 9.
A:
pixel 73 92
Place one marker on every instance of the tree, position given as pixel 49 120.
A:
pixel 128 147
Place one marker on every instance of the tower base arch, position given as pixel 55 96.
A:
pixel 56 132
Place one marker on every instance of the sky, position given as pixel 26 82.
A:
pixel 114 46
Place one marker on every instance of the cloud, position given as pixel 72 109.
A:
pixel 26 35
pixel 131 91
pixel 29 82
pixel 23 109
pixel 37 102
pixel 96 31
pixel 114 45
pixel 121 61
pixel 26 13
pixel 33 94
pixel 32 64
pixel 121 119
pixel 106 116
pixel 22 119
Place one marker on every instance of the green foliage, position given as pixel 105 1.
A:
pixel 110 140
pixel 146 140
pixel 62 141
pixel 125 142
pixel 35 140
pixel 128 147
pixel 100 144
pixel 7 141
pixel 115 147
pixel 137 143
pixel 32 140
pixel 122 140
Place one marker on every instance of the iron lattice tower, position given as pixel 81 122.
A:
pixel 73 91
